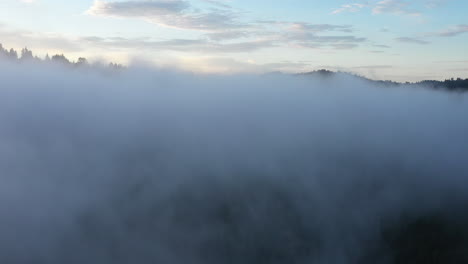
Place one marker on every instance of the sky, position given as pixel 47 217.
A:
pixel 381 39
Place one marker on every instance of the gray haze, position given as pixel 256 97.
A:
pixel 159 166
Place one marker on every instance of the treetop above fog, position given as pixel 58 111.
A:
pixel 27 55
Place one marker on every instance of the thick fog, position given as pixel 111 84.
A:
pixel 160 166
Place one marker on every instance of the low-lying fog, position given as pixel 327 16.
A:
pixel 160 166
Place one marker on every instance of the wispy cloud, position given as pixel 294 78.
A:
pixel 398 7
pixel 452 61
pixel 381 46
pixel 224 30
pixel 51 41
pixel 336 42
pixel 452 32
pixel 349 8
pixel 307 35
pixel 72 44
pixel 315 28
pixel 228 35
pixel 227 64
pixel 189 45
pixel 412 40
pixel 394 7
pixel 289 34
pixel 169 13
pixel 218 3
pixel 435 3
pixel 373 67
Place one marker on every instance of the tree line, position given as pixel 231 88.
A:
pixel 458 84
pixel 26 55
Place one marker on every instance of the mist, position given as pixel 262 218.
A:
pixel 161 166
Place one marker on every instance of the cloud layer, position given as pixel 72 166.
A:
pixel 453 31
pixel 166 167
pixel 412 40
pixel 168 13
pixel 394 7
pixel 222 24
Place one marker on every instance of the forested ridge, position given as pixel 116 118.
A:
pixel 452 84
pixel 26 55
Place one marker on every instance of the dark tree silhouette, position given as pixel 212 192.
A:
pixel 81 62
pixel 13 54
pixel 459 85
pixel 27 55
pixel 60 59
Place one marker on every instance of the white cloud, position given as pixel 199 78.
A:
pixel 435 3
pixel 453 31
pixel 398 7
pixel 51 41
pixel 349 8
pixel 381 46
pixel 169 13
pixel 223 30
pixel 395 7
pixel 412 40
pixel 218 3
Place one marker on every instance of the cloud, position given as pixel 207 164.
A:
pixel 412 40
pixel 228 35
pixel 226 30
pixel 208 46
pixel 181 45
pixel 218 30
pixel 139 8
pixel 51 41
pixel 221 25
pixel 147 166
pixel 373 67
pixel 435 3
pixel 395 7
pixel 452 32
pixel 169 13
pixel 458 69
pixel 336 42
pixel 349 8
pixel 452 61
pixel 301 35
pixel 316 28
pixel 398 7
pixel 218 3
pixel 224 25
pixel 211 64
pixel 381 46
pixel 312 36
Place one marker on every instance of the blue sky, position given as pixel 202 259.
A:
pixel 382 39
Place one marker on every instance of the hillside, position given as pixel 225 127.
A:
pixel 458 84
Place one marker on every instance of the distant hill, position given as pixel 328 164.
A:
pixel 452 84
pixel 458 85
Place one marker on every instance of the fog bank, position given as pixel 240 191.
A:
pixel 160 166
